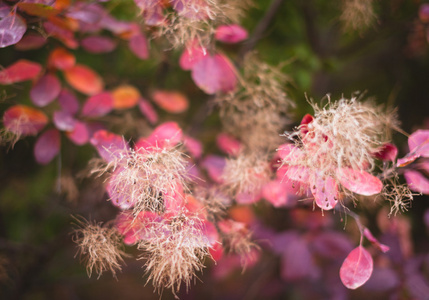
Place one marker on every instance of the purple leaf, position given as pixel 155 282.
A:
pixel 68 102
pixel 332 245
pixel 98 44
pixel 30 42
pixel 24 120
pixel 47 146
pixel 148 111
pixel 64 121
pixel 98 105
pixel 138 45
pixel 214 165
pixel 12 29
pixel 45 90
pixel 108 145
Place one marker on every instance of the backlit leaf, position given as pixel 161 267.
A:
pixel 22 70
pixel 47 146
pixel 171 101
pixel 357 268
pixel 84 79
pixel 417 181
pixel 125 96
pixel 12 29
pixel 24 120
pixel 359 182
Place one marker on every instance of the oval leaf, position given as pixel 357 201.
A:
pixel 108 145
pixel 172 102
pixel 231 33
pixel 325 192
pixel 68 102
pixel 61 59
pixel 125 96
pixel 24 120
pixel 417 181
pixel 80 134
pixel 45 90
pixel 22 70
pixel 357 268
pixel 37 9
pixel 138 45
pixel 84 79
pixel 98 105
pixel 148 111
pixel 47 146
pixel 98 44
pixel 359 182
pixel 12 29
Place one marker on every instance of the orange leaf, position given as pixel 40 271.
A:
pixel 173 102
pixel 37 9
pixel 22 70
pixel 24 120
pixel 61 59
pixel 84 79
pixel 125 96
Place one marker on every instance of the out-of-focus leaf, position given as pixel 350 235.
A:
pixel 24 120
pixel 165 135
pixel 21 70
pixel 12 29
pixel 417 181
pixel 47 146
pixel 214 165
pixel 98 44
pixel 84 79
pixel 171 101
pixel 61 59
pixel 231 33
pixel 148 111
pixel 68 102
pixel 38 9
pixel 191 55
pixel 194 146
pixel 228 144
pixel 356 268
pixel 125 96
pixel 108 145
pixel 138 45
pixel 79 135
pixel 98 105
pixel 45 90
pixel 30 41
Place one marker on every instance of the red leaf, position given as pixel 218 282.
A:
pixel 98 44
pixel 231 33
pixel 24 120
pixel 45 90
pixel 125 96
pixel 22 70
pixel 63 33
pixel 171 101
pixel 138 45
pixel 47 146
pixel 98 105
pixel 61 59
pixel 12 29
pixel 148 111
pixel 417 181
pixel 214 74
pixel 80 134
pixel 84 79
pixel 359 182
pixel 387 152
pixel 357 268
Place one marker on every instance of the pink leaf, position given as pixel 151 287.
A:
pixel 148 111
pixel 231 33
pixel 24 120
pixel 165 135
pixel 22 70
pixel 171 101
pixel 192 54
pixel 419 142
pixel 357 268
pixel 417 181
pixel 12 29
pixel 194 147
pixel 138 45
pixel 64 121
pixel 275 192
pixel 80 134
pixel 374 241
pixel 108 145
pixel 45 90
pixel 359 182
pixel 68 102
pixel 325 192
pixel 214 74
pixel 47 146
pixel 98 105
pixel 228 144
pixel 98 44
